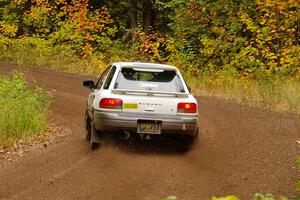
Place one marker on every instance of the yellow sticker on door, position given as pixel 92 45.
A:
pixel 130 105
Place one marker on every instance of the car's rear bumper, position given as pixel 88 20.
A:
pixel 114 121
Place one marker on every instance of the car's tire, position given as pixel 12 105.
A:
pixel 188 142
pixel 87 127
pixel 93 144
pixel 189 139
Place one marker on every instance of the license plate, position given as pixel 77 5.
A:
pixel 130 105
pixel 150 127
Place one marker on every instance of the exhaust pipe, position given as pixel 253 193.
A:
pixel 124 134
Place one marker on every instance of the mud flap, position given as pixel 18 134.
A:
pixel 95 137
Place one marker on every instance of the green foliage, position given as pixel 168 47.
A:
pixel 172 197
pixel 154 47
pixel 252 37
pixel 267 196
pixel 70 23
pixel 231 197
pixel 257 196
pixel 23 111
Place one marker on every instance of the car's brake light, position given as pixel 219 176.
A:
pixel 111 103
pixel 186 108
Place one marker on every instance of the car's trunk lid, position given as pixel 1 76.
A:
pixel 150 101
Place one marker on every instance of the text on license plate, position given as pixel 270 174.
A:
pixel 151 127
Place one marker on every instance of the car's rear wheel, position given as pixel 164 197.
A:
pixel 188 142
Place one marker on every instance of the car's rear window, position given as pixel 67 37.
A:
pixel 147 79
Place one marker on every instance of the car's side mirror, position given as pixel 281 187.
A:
pixel 89 84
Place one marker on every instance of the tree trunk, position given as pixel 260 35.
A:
pixel 132 12
pixel 20 13
pixel 148 16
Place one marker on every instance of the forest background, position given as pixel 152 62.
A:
pixel 244 50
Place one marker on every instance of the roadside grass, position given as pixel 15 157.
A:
pixel 24 109
pixel 35 52
pixel 273 93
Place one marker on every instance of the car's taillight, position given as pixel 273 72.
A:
pixel 111 103
pixel 187 108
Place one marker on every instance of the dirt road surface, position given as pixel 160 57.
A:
pixel 241 150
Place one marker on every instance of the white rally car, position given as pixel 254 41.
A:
pixel 140 98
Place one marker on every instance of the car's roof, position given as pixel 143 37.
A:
pixel 145 65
